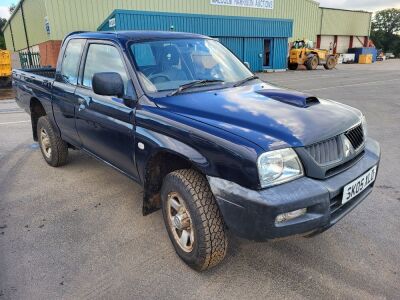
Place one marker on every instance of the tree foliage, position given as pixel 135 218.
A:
pixel 386 30
pixel 12 8
pixel 2 41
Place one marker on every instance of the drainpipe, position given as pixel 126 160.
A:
pixel 12 35
pixel 26 33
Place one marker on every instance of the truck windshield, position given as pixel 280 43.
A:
pixel 168 65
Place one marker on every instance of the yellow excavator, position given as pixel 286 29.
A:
pixel 5 68
pixel 303 53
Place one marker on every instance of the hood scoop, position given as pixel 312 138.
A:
pixel 290 97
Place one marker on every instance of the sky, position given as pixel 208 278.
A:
pixel 4 5
pixel 368 5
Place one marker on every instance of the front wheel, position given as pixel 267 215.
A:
pixel 312 63
pixel 193 220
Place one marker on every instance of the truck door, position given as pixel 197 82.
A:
pixel 105 124
pixel 64 99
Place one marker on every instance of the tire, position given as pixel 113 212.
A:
pixel 312 63
pixel 53 148
pixel 206 241
pixel 5 82
pixel 330 63
pixel 293 66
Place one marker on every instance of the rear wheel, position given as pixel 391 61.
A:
pixel 193 220
pixel 293 66
pixel 330 63
pixel 312 63
pixel 53 148
pixel 5 82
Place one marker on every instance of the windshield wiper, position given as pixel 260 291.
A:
pixel 245 80
pixel 192 84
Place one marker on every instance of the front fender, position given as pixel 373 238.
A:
pixel 213 151
pixel 149 143
pixel 165 142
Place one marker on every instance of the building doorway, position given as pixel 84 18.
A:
pixel 267 53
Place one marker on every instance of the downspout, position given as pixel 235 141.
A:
pixel 320 25
pixel 370 27
pixel 26 33
pixel 12 36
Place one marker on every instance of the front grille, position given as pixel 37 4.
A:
pixel 344 166
pixel 325 152
pixel 356 136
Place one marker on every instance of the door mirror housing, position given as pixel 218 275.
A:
pixel 108 84
pixel 247 65
pixel 129 101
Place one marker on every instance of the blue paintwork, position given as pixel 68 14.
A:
pixel 364 50
pixel 269 123
pixel 244 36
pixel 220 132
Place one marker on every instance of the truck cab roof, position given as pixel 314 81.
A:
pixel 136 35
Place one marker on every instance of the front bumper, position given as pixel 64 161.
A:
pixel 251 214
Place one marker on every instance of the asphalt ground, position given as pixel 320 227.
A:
pixel 77 232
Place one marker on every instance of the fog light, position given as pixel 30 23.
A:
pixel 290 215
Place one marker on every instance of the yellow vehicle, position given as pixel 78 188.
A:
pixel 5 68
pixel 303 53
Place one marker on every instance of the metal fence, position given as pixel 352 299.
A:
pixel 29 60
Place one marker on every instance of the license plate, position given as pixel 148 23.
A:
pixel 357 186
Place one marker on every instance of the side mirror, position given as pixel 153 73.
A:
pixel 247 65
pixel 108 84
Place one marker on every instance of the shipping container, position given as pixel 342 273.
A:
pixel 364 50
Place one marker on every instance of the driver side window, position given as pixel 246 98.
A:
pixel 103 58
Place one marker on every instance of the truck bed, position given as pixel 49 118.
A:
pixel 33 83
pixel 43 72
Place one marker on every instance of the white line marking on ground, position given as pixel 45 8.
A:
pixel 16 122
pixel 354 84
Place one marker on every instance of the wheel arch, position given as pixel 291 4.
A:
pixel 158 157
pixel 161 163
pixel 37 110
pixel 312 54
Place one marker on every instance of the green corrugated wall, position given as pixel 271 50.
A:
pixel 7 37
pixel 70 15
pixel 66 16
pixel 342 22
pixel 35 12
pixel 18 32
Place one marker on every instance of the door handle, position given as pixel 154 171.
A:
pixel 83 102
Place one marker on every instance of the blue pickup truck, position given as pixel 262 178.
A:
pixel 213 146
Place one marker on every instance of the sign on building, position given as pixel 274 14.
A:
pixel 47 25
pixel 111 23
pixel 262 4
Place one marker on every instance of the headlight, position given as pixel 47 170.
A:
pixel 278 166
pixel 365 126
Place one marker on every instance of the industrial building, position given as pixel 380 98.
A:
pixel 257 31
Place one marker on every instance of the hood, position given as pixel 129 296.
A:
pixel 270 117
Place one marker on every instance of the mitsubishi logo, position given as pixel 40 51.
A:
pixel 346 147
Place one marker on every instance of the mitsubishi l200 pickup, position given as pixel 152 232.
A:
pixel 213 146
